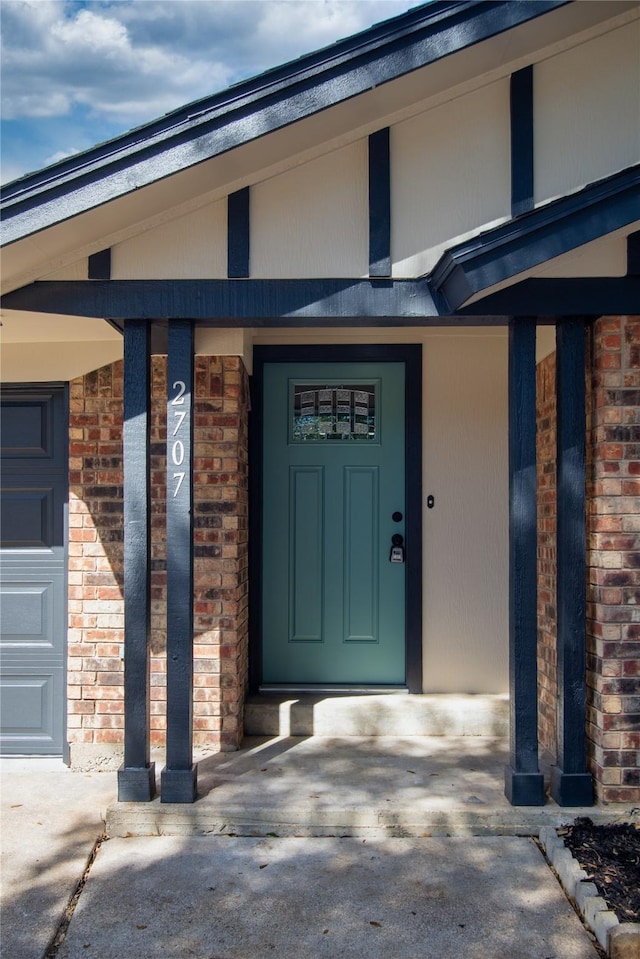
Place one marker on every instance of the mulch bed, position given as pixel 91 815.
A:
pixel 610 855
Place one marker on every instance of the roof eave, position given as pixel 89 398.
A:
pixel 536 237
pixel 255 108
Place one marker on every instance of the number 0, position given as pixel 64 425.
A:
pixel 177 453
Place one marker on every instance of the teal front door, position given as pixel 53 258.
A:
pixel 333 601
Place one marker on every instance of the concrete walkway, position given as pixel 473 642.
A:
pixel 169 898
pixel 50 820
pixel 242 897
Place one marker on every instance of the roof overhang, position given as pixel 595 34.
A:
pixel 88 202
pixel 287 95
pixel 500 256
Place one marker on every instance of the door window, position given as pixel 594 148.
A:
pixel 333 412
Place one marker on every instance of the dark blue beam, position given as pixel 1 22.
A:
pixel 524 784
pixel 136 778
pixel 179 777
pixel 571 784
pixel 573 296
pixel 244 301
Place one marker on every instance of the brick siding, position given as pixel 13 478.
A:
pixel 547 554
pixel 613 530
pixel 613 665
pixel 96 608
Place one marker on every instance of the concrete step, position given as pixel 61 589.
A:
pixel 337 714
pixel 369 787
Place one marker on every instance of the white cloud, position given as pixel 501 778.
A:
pixel 136 59
pixel 84 70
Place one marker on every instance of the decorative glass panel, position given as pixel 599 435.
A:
pixel 342 412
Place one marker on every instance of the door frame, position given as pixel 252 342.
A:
pixel 411 356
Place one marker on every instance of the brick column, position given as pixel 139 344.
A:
pixel 221 550
pixel 613 665
pixel 96 608
pixel 547 555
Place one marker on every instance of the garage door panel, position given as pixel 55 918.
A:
pixel 31 518
pixel 29 699
pixel 29 428
pixel 29 609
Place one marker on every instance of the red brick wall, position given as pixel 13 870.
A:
pixel 613 494
pixel 613 667
pixel 221 564
pixel 96 609
pixel 547 513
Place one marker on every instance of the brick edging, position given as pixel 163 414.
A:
pixel 621 940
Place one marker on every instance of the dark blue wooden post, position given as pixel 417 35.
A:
pixel 179 777
pixel 571 784
pixel 524 784
pixel 136 778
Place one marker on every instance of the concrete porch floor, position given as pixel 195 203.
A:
pixel 376 787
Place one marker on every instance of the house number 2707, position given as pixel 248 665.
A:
pixel 177 445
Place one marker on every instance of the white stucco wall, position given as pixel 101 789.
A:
pixel 313 219
pixel 587 112
pixel 193 246
pixel 466 533
pixel 450 174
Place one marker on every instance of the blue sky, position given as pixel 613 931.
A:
pixel 75 73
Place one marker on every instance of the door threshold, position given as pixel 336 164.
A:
pixel 335 689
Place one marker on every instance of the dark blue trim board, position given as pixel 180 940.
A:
pixel 257 107
pixel 633 257
pixel 179 777
pixel 99 265
pixel 521 108
pixel 136 778
pixel 243 301
pixel 571 784
pixel 238 233
pixel 379 204
pixel 524 784
pixel 535 238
